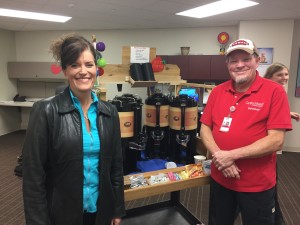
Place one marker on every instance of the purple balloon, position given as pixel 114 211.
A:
pixel 100 46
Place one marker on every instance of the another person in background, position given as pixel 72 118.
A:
pixel 72 156
pixel 280 74
pixel 243 125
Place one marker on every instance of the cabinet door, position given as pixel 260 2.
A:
pixel 218 68
pixel 199 67
pixel 182 62
pixel 34 70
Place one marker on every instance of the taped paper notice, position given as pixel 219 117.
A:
pixel 139 54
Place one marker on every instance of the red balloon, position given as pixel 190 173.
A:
pixel 100 71
pixel 55 69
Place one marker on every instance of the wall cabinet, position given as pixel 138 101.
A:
pixel 218 68
pixel 182 62
pixel 34 70
pixel 200 67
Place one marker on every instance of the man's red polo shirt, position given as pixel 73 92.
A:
pixel 263 107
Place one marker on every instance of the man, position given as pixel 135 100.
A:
pixel 243 125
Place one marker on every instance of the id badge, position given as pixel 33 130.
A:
pixel 226 124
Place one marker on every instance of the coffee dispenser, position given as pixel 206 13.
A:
pixel 183 118
pixel 133 139
pixel 157 126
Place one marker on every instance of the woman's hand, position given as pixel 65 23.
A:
pixel 295 116
pixel 116 221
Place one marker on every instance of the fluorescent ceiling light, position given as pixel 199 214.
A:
pixel 33 15
pixel 216 8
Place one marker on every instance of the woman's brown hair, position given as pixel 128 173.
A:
pixel 275 67
pixel 68 48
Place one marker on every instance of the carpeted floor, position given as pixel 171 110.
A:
pixel 195 199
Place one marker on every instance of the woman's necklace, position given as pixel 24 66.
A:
pixel 85 116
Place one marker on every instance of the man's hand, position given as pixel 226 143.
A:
pixel 222 159
pixel 232 172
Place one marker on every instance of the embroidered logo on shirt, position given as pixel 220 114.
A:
pixel 255 105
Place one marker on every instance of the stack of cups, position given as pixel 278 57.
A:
pixel 206 166
pixel 199 159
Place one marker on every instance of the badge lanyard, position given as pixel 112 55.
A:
pixel 227 120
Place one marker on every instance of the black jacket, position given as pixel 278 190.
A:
pixel 53 164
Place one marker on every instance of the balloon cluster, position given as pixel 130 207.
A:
pixel 101 62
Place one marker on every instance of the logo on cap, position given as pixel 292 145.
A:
pixel 240 42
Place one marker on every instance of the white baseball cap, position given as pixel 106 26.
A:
pixel 242 44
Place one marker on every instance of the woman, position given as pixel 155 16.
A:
pixel 72 165
pixel 280 74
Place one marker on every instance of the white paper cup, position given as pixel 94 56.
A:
pixel 199 159
pixel 170 165
pixel 206 166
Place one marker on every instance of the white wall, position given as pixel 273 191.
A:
pixel 166 41
pixel 33 46
pixel 266 34
pixel 9 116
pixel 292 139
pixel 283 36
